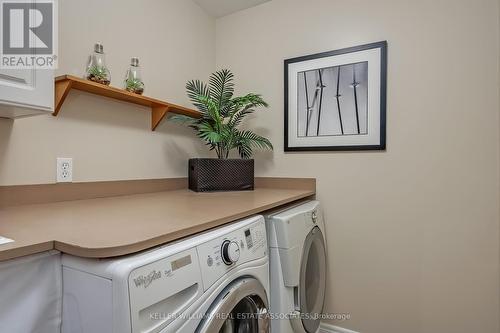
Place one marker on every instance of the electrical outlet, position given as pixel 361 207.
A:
pixel 64 170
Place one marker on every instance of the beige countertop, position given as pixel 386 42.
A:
pixel 119 225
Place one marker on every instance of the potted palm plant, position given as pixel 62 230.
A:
pixel 221 116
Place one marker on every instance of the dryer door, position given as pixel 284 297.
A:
pixel 242 307
pixel 312 280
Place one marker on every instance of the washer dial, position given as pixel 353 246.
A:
pixel 230 252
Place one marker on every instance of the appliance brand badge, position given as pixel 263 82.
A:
pixel 146 280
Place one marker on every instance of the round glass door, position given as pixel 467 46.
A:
pixel 240 308
pixel 312 280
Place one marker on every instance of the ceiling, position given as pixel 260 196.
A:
pixel 219 8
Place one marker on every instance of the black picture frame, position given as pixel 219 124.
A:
pixel 382 45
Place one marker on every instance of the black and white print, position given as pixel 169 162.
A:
pixel 336 100
pixel 333 101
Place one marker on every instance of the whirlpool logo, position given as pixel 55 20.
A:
pixel 146 280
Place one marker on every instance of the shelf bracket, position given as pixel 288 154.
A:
pixel 158 112
pixel 62 89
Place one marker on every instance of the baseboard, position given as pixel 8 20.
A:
pixel 326 328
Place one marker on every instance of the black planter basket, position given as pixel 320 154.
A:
pixel 213 174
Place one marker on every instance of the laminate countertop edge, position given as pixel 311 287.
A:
pixel 167 238
pixel 83 227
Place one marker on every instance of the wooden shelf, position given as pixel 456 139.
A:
pixel 159 109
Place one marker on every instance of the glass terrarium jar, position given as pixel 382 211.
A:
pixel 97 70
pixel 133 78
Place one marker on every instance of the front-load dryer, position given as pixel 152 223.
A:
pixel 217 281
pixel 297 259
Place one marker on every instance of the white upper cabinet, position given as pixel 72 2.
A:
pixel 25 92
pixel 29 43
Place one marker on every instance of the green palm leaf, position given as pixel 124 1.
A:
pixel 251 100
pixel 243 106
pixel 208 133
pixel 198 93
pixel 256 140
pixel 222 114
pixel 221 88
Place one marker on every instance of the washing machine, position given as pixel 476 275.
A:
pixel 217 281
pixel 297 259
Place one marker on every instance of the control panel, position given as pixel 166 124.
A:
pixel 220 255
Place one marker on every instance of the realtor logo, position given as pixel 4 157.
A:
pixel 28 34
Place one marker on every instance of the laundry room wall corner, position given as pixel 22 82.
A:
pixel 403 223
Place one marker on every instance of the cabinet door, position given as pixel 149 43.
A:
pixel 31 293
pixel 26 88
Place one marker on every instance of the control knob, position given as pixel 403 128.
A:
pixel 230 252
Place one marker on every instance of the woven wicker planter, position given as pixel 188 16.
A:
pixel 213 174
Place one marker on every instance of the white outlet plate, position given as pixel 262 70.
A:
pixel 64 170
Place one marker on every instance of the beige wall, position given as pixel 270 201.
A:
pixel 413 231
pixel 174 40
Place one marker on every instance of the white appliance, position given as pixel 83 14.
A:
pixel 297 259
pixel 31 294
pixel 205 283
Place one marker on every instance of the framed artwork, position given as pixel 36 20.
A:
pixel 337 100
